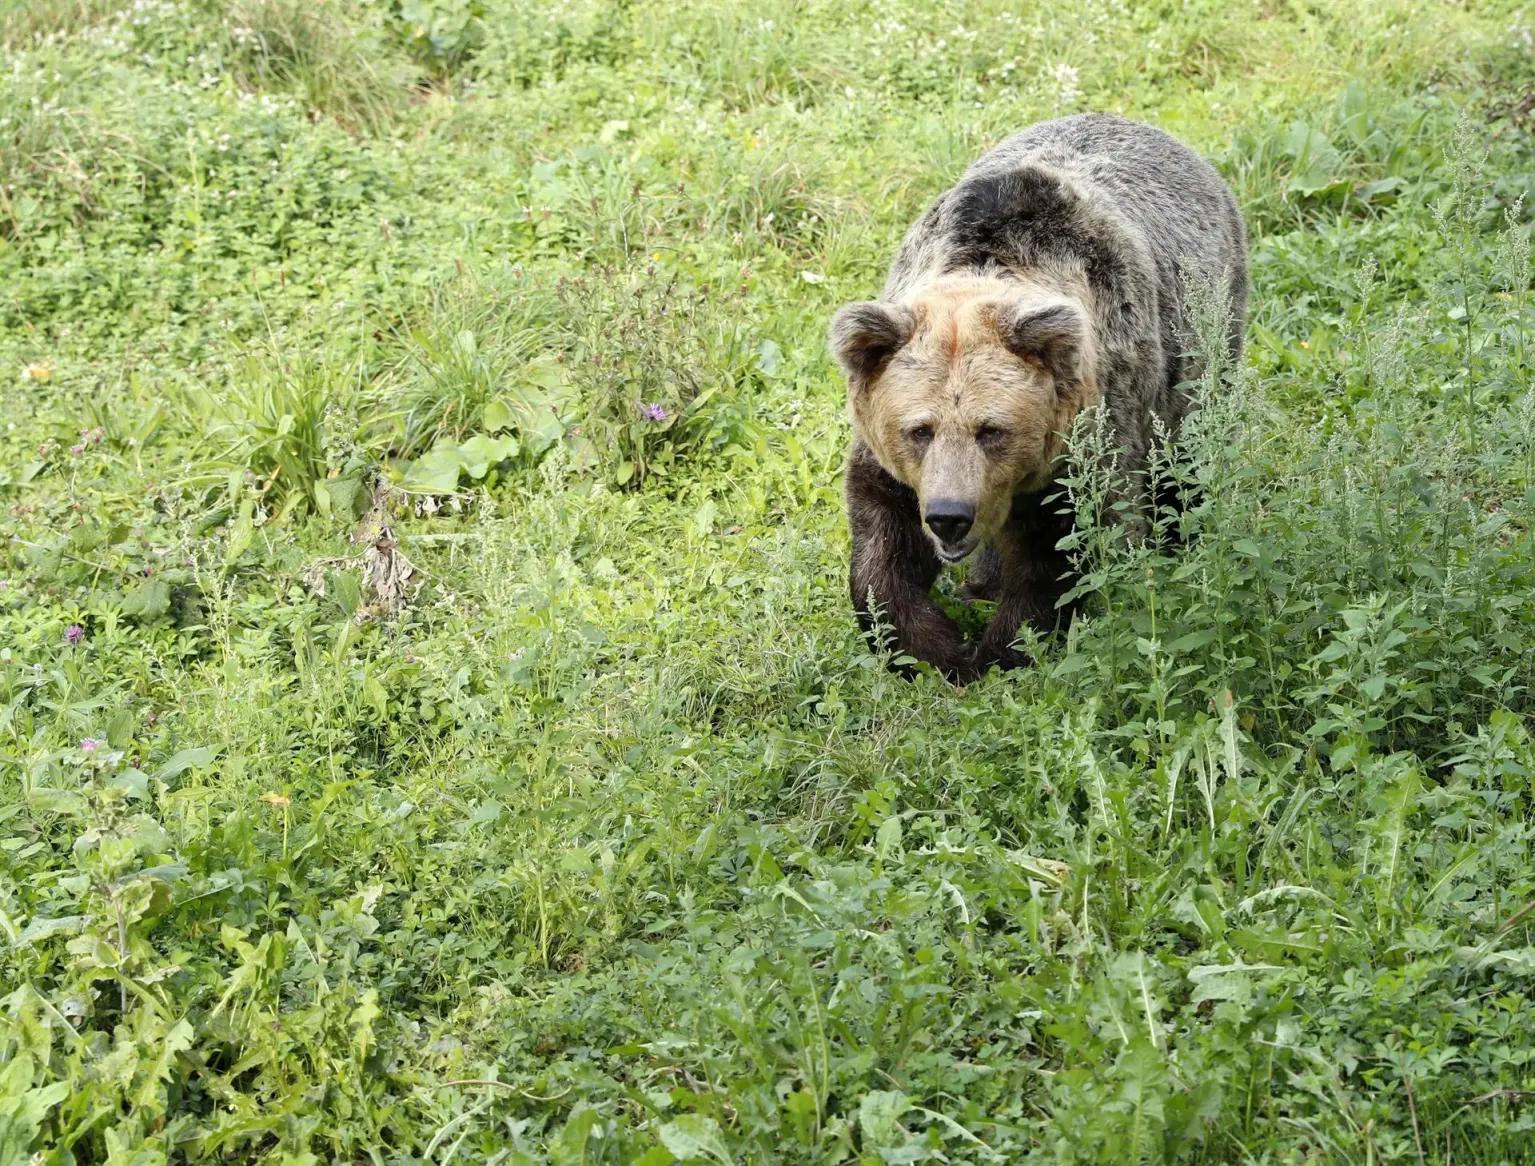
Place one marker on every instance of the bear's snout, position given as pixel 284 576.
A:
pixel 950 519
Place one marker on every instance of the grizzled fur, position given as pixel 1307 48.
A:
pixel 1048 281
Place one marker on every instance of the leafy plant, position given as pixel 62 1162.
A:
pixel 443 34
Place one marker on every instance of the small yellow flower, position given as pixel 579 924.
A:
pixel 36 372
pixel 1305 344
pixel 272 799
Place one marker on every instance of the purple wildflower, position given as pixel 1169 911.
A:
pixel 655 412
pixel 77 450
pixel 74 633
pixel 89 745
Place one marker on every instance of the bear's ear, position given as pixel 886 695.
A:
pixel 1052 334
pixel 865 336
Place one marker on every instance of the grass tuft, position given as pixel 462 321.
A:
pixel 335 58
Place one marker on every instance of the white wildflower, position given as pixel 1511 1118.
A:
pixel 1067 88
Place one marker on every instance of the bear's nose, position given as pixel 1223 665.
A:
pixel 950 519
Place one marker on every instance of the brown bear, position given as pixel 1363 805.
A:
pixel 1049 280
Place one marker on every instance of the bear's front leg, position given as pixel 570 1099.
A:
pixel 1033 577
pixel 894 565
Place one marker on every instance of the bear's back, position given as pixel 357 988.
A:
pixel 1062 185
pixel 1175 200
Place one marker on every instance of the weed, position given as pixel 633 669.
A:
pixel 482 338
pixel 649 358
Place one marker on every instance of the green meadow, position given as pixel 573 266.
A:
pixel 432 723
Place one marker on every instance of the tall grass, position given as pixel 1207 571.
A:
pixel 25 22
pixel 334 57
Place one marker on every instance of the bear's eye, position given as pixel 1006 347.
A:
pixel 990 435
pixel 920 434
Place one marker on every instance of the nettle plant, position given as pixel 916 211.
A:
pixel 1362 582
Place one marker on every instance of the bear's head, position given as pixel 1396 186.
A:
pixel 964 394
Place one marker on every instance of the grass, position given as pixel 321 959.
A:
pixel 432 723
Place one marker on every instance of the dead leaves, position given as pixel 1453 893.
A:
pixel 389 580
